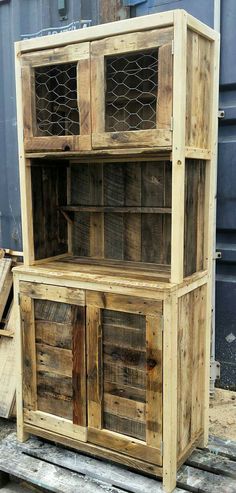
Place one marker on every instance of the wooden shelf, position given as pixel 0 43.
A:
pixel 119 210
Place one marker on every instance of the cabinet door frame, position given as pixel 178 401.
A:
pixel 78 53
pixel 151 449
pixel 77 428
pixel 124 44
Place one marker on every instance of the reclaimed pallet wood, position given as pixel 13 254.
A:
pixel 8 367
pixel 208 461
pixel 199 481
pixel 222 447
pixel 6 281
pixel 58 470
pixel 206 473
pixel 44 475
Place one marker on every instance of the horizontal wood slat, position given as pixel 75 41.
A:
pixel 53 293
pixel 123 303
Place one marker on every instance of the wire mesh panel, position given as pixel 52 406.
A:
pixel 131 91
pixel 56 100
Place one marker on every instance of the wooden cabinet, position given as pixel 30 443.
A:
pixel 54 367
pixel 117 128
pixel 56 99
pixel 124 340
pixel 132 90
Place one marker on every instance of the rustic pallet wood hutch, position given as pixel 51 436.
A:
pixel 117 129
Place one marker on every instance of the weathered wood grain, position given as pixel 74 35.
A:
pixel 79 367
pixel 29 352
pixel 6 281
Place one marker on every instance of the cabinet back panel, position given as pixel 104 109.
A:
pixel 131 211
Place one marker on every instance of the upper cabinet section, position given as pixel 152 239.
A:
pixel 139 85
pixel 56 99
pixel 131 87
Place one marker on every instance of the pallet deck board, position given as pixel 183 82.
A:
pixel 102 473
pixel 77 470
pixel 45 475
pixel 226 448
pixel 199 481
pixel 208 461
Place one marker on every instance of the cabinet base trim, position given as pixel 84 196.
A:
pixel 95 450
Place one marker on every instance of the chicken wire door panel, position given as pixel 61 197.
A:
pixel 54 371
pixel 132 90
pixel 56 99
pixel 124 336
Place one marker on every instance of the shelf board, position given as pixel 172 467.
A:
pixel 119 210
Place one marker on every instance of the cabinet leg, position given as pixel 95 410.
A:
pixel 22 435
pixel 169 474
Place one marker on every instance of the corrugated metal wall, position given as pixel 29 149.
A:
pixel 225 315
pixel 18 17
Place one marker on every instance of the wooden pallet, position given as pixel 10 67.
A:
pixel 7 339
pixel 57 469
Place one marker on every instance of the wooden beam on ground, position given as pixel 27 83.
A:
pixel 113 10
pixel 6 281
pixel 199 481
pixel 208 461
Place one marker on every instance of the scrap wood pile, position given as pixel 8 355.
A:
pixel 7 336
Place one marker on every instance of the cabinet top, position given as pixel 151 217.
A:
pixel 163 19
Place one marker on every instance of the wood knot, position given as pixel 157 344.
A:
pixel 151 363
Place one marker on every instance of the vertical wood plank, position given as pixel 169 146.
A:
pixel 94 366
pixel 29 353
pixel 96 218
pixel 132 222
pixel 25 178
pixel 211 222
pixel 185 370
pixel 21 434
pixel 165 90
pixel 68 197
pixel 114 195
pixel 154 381
pixel 83 89
pixel 98 93
pixel 170 393
pixel 79 366
pixel 178 154
pixel 29 112
pixel 201 204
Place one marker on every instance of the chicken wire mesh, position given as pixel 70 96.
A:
pixel 56 100
pixel 131 91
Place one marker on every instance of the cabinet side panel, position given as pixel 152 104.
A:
pixel 191 357
pixel 199 88
pixel 194 219
pixel 49 226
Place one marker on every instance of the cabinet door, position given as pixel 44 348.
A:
pixel 124 340
pixel 132 90
pixel 54 375
pixel 56 99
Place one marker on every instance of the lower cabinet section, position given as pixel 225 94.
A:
pixel 92 367
pixel 117 376
pixel 124 341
